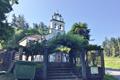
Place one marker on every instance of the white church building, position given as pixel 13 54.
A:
pixel 56 27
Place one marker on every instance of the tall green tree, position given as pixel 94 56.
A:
pixel 21 29
pixel 41 28
pixel 112 47
pixel 19 22
pixel 106 46
pixel 6 30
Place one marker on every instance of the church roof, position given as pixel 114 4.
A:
pixel 57 17
pixel 30 38
pixel 57 20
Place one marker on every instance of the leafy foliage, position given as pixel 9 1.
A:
pixel 63 49
pixel 41 28
pixel 21 30
pixel 112 47
pixel 94 47
pixel 19 22
pixel 69 40
pixel 6 30
pixel 81 29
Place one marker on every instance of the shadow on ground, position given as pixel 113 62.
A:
pixel 7 77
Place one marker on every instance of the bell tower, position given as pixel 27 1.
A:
pixel 57 24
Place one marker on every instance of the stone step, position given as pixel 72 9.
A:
pixel 66 79
pixel 63 74
pixel 62 77
pixel 60 68
pixel 60 71
pixel 60 74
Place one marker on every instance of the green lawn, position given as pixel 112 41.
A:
pixel 112 62
pixel 109 77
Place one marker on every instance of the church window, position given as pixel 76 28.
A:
pixel 55 25
pixel 60 27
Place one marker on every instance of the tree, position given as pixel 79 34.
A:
pixel 41 28
pixel 19 22
pixel 20 33
pixel 119 45
pixel 81 29
pixel 20 29
pixel 6 30
pixel 112 47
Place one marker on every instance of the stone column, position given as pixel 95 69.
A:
pixel 87 64
pixel 102 64
pixel 45 63
pixel 83 64
pixel 20 53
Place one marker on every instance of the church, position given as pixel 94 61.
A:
pixel 56 27
pixel 87 64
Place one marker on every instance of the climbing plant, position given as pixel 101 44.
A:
pixel 70 40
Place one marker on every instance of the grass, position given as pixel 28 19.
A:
pixel 109 77
pixel 112 62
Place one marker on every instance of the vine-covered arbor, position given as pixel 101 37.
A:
pixel 86 59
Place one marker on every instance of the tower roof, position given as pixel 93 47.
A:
pixel 57 17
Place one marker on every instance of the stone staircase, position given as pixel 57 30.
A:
pixel 62 72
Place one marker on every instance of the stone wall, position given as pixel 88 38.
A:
pixel 6 59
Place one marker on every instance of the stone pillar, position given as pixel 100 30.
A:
pixel 20 53
pixel 45 63
pixel 83 64
pixel 86 54
pixel 102 64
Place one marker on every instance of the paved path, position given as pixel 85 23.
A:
pixel 115 73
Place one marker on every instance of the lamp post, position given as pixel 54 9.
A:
pixel 45 59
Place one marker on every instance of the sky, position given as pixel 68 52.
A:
pixel 102 16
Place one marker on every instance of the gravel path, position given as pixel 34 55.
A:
pixel 115 73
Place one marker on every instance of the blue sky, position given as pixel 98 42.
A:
pixel 102 16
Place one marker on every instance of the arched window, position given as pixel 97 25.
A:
pixel 55 25
pixel 60 27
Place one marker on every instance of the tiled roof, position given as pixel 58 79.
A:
pixel 32 37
